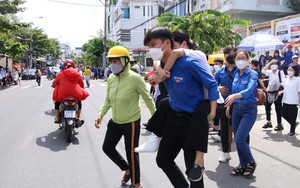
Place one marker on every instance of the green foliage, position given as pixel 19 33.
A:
pixel 94 49
pixel 209 29
pixel 294 5
pixel 15 35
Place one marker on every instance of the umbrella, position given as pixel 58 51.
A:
pixel 260 42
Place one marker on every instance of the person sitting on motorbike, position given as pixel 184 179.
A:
pixel 68 83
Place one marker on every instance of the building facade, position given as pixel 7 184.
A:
pixel 254 10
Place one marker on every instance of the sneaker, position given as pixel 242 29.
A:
pixel 267 125
pixel 196 173
pixel 224 158
pixel 216 137
pixel 290 134
pixel 150 146
pixel 278 128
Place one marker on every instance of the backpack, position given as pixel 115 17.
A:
pixel 273 89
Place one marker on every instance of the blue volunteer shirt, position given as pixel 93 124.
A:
pixel 246 85
pixel 288 57
pixel 223 79
pixel 185 85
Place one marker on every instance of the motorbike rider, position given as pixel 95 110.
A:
pixel 68 83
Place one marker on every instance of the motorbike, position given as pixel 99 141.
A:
pixel 15 78
pixel 68 121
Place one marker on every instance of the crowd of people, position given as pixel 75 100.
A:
pixel 193 97
pixel 189 97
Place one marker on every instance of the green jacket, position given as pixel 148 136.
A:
pixel 122 96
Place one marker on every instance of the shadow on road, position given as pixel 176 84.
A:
pixel 50 112
pixel 56 141
pixel 224 179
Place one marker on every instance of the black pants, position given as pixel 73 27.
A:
pixel 278 107
pixel 173 140
pixel 224 131
pixel 198 134
pixel 131 133
pixel 38 80
pixel 289 113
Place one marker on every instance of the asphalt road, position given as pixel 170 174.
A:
pixel 34 153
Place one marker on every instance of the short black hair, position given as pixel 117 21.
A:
pixel 162 33
pixel 255 62
pixel 227 50
pixel 181 36
pixel 296 69
pixel 219 60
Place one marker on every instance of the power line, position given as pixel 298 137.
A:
pixel 170 8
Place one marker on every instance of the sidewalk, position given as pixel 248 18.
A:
pixel 277 156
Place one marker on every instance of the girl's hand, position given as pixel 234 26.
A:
pixel 228 112
pixel 98 121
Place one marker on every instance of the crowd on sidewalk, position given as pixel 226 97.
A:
pixel 188 97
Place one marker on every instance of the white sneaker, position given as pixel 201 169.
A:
pixel 224 158
pixel 150 146
pixel 216 137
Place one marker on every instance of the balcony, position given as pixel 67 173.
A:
pixel 263 7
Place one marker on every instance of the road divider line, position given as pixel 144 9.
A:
pixel 25 87
pixel 28 138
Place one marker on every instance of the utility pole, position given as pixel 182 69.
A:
pixel 104 37
pixel 31 43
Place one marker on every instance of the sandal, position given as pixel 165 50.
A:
pixel 237 171
pixel 249 170
pixel 125 179
pixel 267 125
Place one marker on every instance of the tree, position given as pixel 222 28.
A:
pixel 294 5
pixel 209 29
pixel 93 50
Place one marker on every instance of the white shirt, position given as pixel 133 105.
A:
pixel 273 77
pixel 291 90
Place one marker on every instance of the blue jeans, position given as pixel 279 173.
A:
pixel 243 118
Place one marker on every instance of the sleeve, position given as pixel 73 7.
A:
pixel 298 85
pixel 217 76
pixel 56 81
pixel 266 72
pixel 143 91
pixel 106 105
pixel 251 86
pixel 205 78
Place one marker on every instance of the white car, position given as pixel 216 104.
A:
pixel 55 69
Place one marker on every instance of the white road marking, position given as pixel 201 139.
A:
pixel 103 85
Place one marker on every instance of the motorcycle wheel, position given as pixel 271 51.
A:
pixel 69 133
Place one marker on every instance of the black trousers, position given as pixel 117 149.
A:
pixel 289 113
pixel 174 139
pixel 224 131
pixel 198 134
pixel 278 107
pixel 38 80
pixel 131 133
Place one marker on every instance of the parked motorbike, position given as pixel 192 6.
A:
pixel 68 122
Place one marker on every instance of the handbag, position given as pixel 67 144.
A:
pixel 260 96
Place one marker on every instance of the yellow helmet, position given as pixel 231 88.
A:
pixel 118 51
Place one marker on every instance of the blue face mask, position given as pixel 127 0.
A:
pixel 116 68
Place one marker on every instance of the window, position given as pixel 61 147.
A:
pixel 126 13
pixel 137 7
pixel 143 10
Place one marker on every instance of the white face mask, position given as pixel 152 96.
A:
pixel 116 68
pixel 241 64
pixel 290 73
pixel 274 67
pixel 156 53
pixel 217 67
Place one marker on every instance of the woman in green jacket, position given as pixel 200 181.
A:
pixel 124 88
